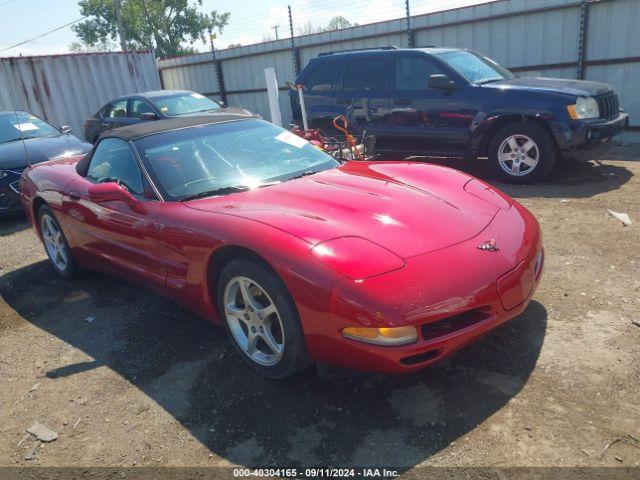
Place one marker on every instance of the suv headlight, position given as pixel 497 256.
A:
pixel 585 107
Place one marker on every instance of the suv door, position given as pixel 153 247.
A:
pixel 426 119
pixel 318 88
pixel 363 95
pixel 113 235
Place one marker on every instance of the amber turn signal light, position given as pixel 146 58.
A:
pixel 383 335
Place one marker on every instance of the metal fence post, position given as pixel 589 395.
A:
pixel 295 56
pixel 218 68
pixel 409 32
pixel 582 38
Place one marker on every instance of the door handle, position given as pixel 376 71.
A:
pixel 402 101
pixel 74 196
pixel 343 101
pixel 105 124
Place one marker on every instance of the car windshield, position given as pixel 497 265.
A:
pixel 22 125
pixel 475 68
pixel 184 103
pixel 209 160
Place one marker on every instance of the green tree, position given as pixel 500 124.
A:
pixel 170 26
pixel 336 23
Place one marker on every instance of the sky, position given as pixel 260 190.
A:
pixel 251 20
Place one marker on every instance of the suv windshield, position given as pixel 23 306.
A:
pixel 221 158
pixel 22 125
pixel 184 103
pixel 475 68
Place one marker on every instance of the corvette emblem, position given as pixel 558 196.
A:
pixel 489 246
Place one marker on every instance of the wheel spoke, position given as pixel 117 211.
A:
pixel 252 342
pixel 270 341
pixel 531 162
pixel 266 311
pixel 504 157
pixel 528 145
pixel 515 167
pixel 512 143
pixel 62 253
pixel 247 298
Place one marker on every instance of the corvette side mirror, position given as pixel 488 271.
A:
pixel 111 192
pixel 65 129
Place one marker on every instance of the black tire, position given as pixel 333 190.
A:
pixel 70 269
pixel 294 357
pixel 544 144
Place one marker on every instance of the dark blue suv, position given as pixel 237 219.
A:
pixel 458 103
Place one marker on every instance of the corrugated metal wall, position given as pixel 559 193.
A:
pixel 533 37
pixel 67 89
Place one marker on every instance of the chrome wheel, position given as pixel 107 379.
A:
pixel 54 242
pixel 518 155
pixel 254 321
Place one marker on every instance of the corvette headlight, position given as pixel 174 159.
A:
pixel 356 258
pixel 585 107
pixel 382 335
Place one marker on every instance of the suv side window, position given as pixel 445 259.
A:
pixel 113 159
pixel 321 79
pixel 365 74
pixel 116 109
pixel 412 73
pixel 138 107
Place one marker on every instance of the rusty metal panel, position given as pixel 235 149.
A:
pixel 67 89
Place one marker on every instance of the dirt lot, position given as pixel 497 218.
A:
pixel 147 383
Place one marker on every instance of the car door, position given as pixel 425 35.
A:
pixel 113 235
pixel 137 107
pixel 428 119
pixel 363 95
pixel 115 114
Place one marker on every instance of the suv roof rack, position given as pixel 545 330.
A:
pixel 324 54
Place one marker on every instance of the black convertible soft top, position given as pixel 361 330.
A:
pixel 131 132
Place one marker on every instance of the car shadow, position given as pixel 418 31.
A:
pixel 568 179
pixel 13 224
pixel 328 417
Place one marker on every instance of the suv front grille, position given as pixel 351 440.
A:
pixel 608 105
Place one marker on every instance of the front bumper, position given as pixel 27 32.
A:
pixel 588 139
pixel 453 297
pixel 10 192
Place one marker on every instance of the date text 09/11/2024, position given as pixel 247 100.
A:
pixel 316 472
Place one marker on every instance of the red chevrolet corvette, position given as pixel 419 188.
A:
pixel 386 266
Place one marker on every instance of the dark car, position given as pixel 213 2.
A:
pixel 155 105
pixel 42 142
pixel 458 103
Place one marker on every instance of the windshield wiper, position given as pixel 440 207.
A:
pixel 489 80
pixel 216 191
pixel 12 140
pixel 304 174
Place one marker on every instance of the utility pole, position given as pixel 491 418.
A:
pixel 294 52
pixel 275 28
pixel 409 32
pixel 123 45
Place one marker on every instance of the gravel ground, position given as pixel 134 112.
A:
pixel 148 384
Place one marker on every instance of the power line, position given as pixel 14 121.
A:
pixel 43 34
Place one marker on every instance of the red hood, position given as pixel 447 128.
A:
pixel 408 208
